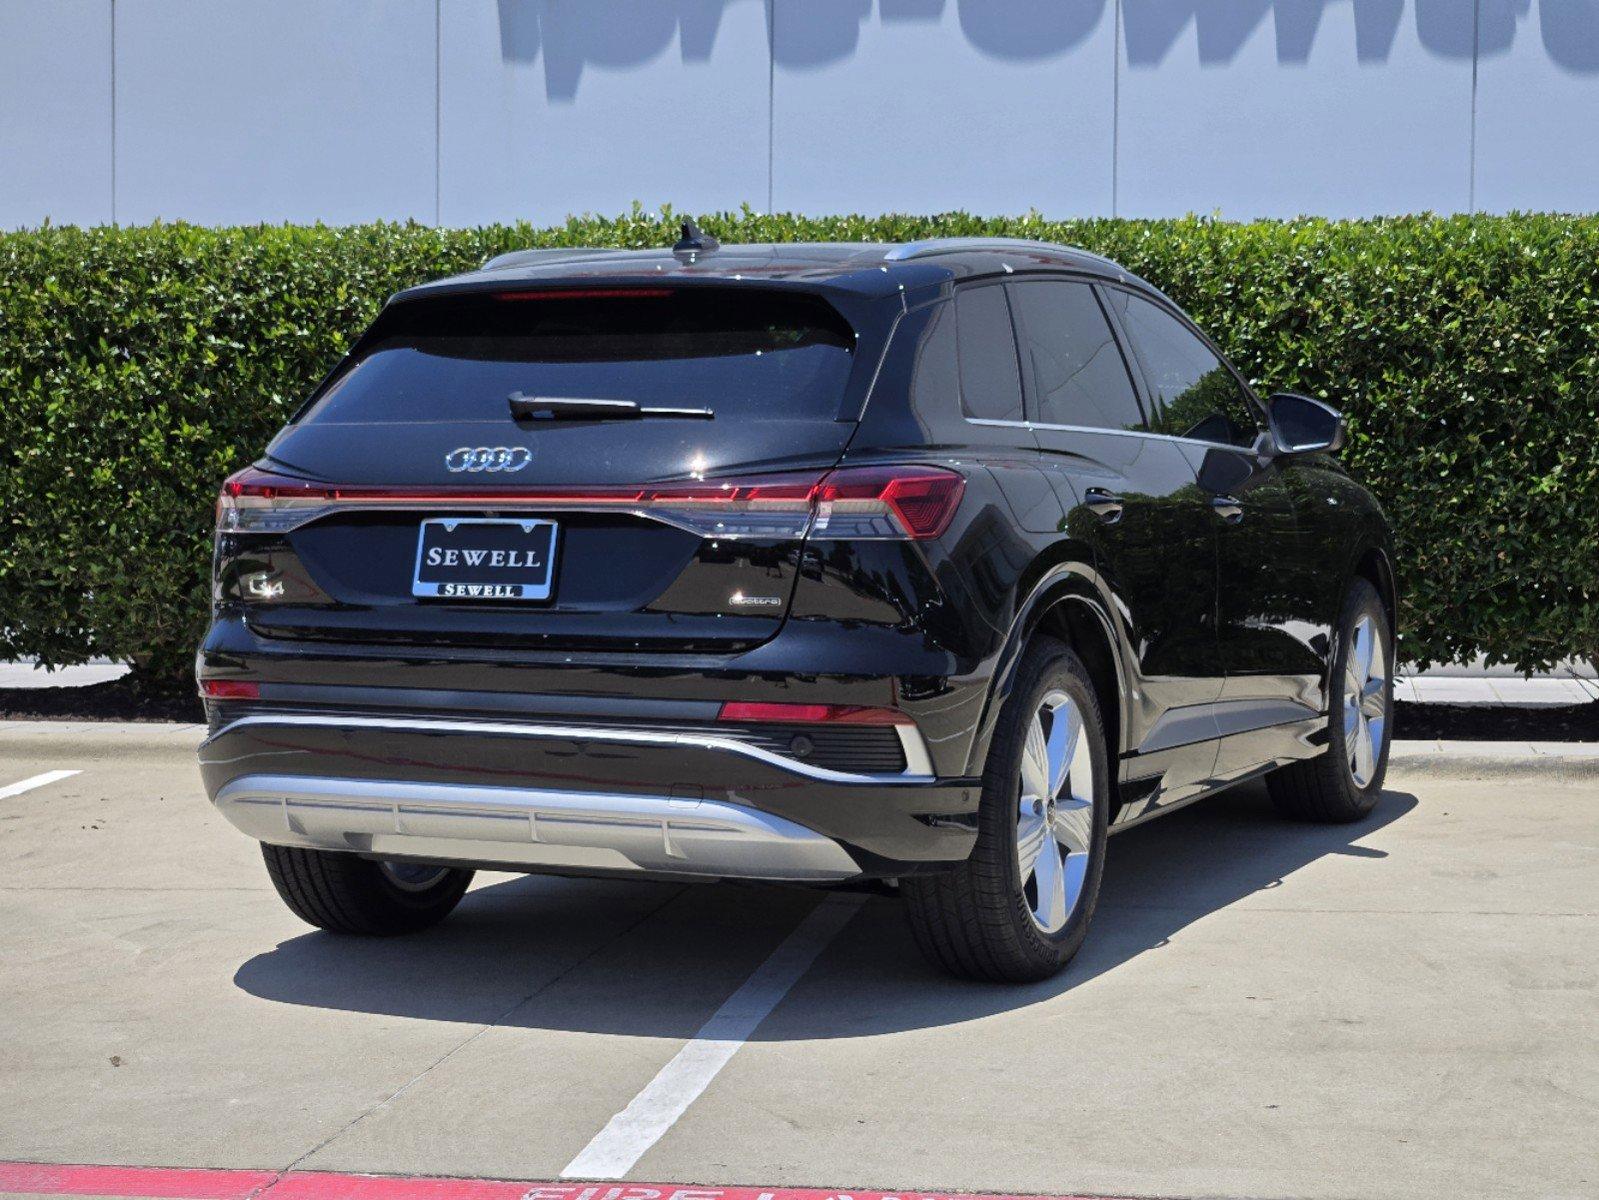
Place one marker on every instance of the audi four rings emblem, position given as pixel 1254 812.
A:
pixel 488 458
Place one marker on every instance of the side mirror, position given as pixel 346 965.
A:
pixel 1300 425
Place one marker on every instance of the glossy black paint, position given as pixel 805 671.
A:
pixel 621 583
pixel 1202 580
pixel 900 824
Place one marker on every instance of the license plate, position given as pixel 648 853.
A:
pixel 485 558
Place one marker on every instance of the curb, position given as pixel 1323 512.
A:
pixel 1488 760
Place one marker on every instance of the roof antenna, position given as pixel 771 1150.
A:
pixel 695 241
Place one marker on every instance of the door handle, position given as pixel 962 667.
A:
pixel 1107 506
pixel 1228 508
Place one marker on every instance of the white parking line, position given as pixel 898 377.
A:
pixel 37 781
pixel 679 1083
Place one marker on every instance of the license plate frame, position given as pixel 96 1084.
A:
pixel 476 581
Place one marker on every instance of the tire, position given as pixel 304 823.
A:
pixel 984 919
pixel 1345 783
pixel 343 893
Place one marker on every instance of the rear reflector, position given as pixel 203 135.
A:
pixel 749 712
pixel 892 502
pixel 230 689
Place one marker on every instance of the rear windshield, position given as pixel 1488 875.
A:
pixel 736 351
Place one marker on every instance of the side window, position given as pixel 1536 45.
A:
pixel 1195 394
pixel 1077 368
pixel 991 385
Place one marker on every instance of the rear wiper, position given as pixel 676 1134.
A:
pixel 575 408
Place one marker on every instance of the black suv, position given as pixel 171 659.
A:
pixel 929 564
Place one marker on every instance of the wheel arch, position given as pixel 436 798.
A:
pixel 1066 600
pixel 1375 565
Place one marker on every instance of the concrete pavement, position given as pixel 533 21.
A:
pixel 1406 1007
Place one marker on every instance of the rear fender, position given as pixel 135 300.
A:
pixel 1066 583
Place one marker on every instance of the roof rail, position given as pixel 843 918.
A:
pixel 548 254
pixel 957 245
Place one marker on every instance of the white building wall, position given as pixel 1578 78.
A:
pixel 236 111
pixel 550 107
pixel 1256 109
pixel 464 111
pixel 55 112
pixel 1538 105
pixel 922 106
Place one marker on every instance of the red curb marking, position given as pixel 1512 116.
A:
pixel 171 1183
pixel 182 1183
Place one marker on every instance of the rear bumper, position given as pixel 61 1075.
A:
pixel 811 661
pixel 528 827
pixel 576 797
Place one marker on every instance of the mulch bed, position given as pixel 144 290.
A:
pixel 1497 723
pixel 123 699
pixel 127 700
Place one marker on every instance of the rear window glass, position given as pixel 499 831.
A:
pixel 736 351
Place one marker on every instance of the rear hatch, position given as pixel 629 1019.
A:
pixel 615 468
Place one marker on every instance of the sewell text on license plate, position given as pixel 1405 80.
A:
pixel 485 558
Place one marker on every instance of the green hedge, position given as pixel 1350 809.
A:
pixel 139 366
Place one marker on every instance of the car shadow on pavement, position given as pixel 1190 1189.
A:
pixel 656 959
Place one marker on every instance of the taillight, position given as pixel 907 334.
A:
pixel 886 502
pixel 776 507
pixel 262 502
pixel 752 713
pixel 230 689
pixel 896 502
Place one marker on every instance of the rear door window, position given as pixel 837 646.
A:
pixel 739 352
pixel 1078 372
pixel 991 383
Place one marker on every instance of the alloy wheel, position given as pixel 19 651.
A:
pixel 412 877
pixel 1365 702
pixel 1055 812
